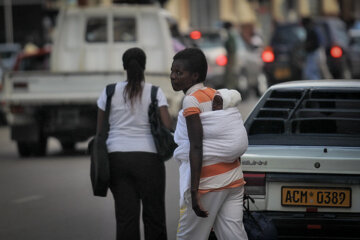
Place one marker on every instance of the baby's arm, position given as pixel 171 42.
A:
pixel 217 103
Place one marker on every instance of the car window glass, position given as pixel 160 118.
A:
pixel 288 34
pixel 339 33
pixel 124 29
pixel 210 40
pixel 96 30
pixel 32 63
pixel 355 41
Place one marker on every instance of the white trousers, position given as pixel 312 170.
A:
pixel 225 209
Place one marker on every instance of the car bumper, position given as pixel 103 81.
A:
pixel 281 72
pixel 300 225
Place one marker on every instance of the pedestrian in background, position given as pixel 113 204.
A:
pixel 210 144
pixel 311 69
pixel 137 175
pixel 231 48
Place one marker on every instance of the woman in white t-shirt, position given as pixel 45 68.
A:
pixel 137 175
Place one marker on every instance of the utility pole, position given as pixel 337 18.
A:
pixel 8 21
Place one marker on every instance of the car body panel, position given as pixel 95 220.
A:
pixel 293 159
pixel 354 53
pixel 309 182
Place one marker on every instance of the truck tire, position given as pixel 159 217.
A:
pixel 40 147
pixel 24 149
pixel 68 145
pixel 27 149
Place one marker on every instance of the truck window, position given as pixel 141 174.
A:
pixel 96 30
pixel 124 29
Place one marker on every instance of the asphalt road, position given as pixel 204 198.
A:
pixel 50 198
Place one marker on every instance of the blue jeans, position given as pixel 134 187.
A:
pixel 311 70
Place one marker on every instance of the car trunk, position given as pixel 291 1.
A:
pixel 301 179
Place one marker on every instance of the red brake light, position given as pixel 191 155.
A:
pixel 255 183
pixel 336 52
pixel 268 55
pixel 314 226
pixel 195 35
pixel 20 85
pixel 16 109
pixel 221 60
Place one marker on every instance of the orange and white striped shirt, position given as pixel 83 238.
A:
pixel 214 177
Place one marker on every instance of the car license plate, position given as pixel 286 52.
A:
pixel 316 197
pixel 282 73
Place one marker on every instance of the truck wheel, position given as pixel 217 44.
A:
pixel 27 149
pixel 40 147
pixel 68 145
pixel 24 149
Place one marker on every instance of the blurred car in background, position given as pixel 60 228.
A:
pixel 335 41
pixel 284 57
pixel 302 165
pixel 211 42
pixel 353 53
pixel 248 64
pixel 8 54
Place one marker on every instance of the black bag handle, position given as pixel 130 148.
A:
pixel 110 90
pixel 154 90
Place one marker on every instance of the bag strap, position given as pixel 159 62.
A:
pixel 154 90
pixel 110 90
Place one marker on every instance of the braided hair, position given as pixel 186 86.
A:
pixel 134 60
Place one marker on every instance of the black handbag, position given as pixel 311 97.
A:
pixel 99 165
pixel 257 225
pixel 163 138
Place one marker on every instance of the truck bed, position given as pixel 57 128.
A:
pixel 49 88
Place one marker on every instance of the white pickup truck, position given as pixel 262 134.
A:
pixel 86 55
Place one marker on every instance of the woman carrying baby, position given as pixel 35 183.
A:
pixel 210 145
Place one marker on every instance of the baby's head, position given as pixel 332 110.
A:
pixel 229 98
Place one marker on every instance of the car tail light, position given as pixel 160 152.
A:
pixel 16 109
pixel 336 52
pixel 268 55
pixel 221 60
pixel 195 35
pixel 314 226
pixel 255 183
pixel 20 85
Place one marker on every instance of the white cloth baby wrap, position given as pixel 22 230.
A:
pixel 224 140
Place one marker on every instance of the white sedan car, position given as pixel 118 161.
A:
pixel 302 166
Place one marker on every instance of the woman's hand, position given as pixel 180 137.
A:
pixel 196 205
pixel 195 132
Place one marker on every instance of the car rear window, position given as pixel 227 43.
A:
pixel 209 40
pixel 306 117
pixel 288 34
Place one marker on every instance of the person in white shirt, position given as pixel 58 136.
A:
pixel 137 175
